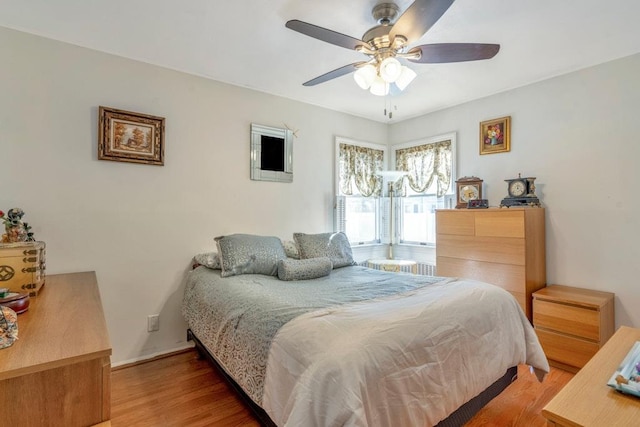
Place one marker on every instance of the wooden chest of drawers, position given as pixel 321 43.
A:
pixel 505 247
pixel 572 323
pixel 58 373
pixel 22 267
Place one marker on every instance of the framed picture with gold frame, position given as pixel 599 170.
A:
pixel 125 136
pixel 495 135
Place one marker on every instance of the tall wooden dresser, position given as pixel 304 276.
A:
pixel 58 372
pixel 502 246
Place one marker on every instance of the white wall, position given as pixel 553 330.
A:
pixel 138 226
pixel 579 134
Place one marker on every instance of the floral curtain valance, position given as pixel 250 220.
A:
pixel 359 166
pixel 424 163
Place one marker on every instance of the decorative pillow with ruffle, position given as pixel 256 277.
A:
pixel 249 254
pixel 334 246
pixel 208 259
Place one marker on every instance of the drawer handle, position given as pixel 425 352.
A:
pixel 29 286
pixel 32 259
pixel 30 270
pixel 29 252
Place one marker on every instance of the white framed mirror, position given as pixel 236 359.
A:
pixel 271 154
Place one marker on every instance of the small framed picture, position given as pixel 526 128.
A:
pixel 495 135
pixel 124 136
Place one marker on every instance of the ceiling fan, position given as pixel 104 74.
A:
pixel 388 41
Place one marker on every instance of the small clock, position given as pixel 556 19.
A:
pixel 468 188
pixel 521 192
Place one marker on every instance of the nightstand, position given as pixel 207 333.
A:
pixel 394 265
pixel 572 324
pixel 587 400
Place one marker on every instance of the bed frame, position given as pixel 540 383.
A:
pixel 456 419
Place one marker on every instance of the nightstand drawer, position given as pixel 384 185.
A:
pixel 579 321
pixel 561 348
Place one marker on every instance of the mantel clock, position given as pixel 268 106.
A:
pixel 468 188
pixel 520 192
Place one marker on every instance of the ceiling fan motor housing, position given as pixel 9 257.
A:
pixel 377 38
pixel 384 13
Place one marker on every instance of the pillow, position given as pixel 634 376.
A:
pixel 304 269
pixel 291 249
pixel 209 260
pixel 249 254
pixel 334 246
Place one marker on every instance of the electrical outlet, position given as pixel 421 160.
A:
pixel 153 322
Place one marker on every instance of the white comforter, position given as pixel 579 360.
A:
pixel 406 360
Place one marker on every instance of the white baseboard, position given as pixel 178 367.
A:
pixel 151 356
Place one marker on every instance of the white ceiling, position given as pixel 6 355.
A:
pixel 245 43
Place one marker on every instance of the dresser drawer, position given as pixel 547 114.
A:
pixel 521 297
pixel 507 276
pixel 577 321
pixel 459 223
pixel 500 224
pixel 501 250
pixel 568 350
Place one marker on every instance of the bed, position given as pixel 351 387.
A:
pixel 354 346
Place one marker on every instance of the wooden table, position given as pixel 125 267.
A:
pixel 58 372
pixel 587 400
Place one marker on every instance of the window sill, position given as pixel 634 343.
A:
pixel 418 245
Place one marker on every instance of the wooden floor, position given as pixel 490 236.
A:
pixel 183 390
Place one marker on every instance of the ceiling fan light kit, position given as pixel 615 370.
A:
pixel 379 87
pixel 365 75
pixel 390 69
pixel 385 43
pixel 406 76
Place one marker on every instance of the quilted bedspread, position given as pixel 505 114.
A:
pixel 359 347
pixel 237 317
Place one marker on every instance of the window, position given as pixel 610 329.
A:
pixel 418 218
pixel 428 186
pixel 358 190
pixel 360 219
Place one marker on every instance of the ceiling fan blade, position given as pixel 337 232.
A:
pixel 438 53
pixel 335 73
pixel 324 34
pixel 418 18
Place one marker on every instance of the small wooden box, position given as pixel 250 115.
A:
pixel 22 267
